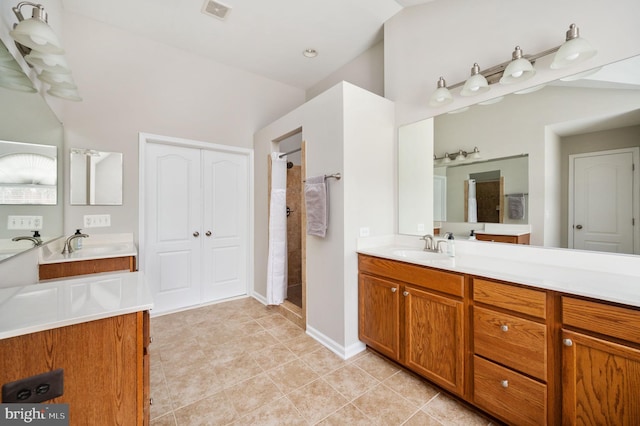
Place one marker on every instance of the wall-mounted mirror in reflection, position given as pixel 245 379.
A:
pixel 555 126
pixel 96 177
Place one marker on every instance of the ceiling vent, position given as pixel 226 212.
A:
pixel 216 9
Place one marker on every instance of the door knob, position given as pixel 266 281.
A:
pixel 578 226
pixel 196 234
pixel 208 233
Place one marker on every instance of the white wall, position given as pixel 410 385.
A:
pixel 445 37
pixel 349 131
pixel 365 71
pixel 131 84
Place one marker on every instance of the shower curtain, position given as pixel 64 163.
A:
pixel 277 260
pixel 472 213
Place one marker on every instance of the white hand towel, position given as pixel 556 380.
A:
pixel 316 202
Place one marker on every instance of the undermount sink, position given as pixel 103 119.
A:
pixel 419 254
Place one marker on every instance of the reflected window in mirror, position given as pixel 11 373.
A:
pixel 96 177
pixel 28 173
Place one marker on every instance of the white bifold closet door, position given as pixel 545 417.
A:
pixel 196 225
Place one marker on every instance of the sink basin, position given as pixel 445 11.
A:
pixel 419 254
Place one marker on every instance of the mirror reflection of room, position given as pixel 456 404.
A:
pixel 96 177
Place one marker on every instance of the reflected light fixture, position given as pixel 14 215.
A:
pixel 441 96
pixel 458 156
pixel 475 84
pixel 573 51
pixel 35 32
pixel 519 69
pixel 45 61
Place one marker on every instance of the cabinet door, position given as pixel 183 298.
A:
pixel 600 380
pixel 379 324
pixel 434 337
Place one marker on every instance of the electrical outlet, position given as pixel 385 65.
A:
pixel 34 389
pixel 97 220
pixel 30 223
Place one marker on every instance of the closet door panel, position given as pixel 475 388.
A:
pixel 173 214
pixel 226 224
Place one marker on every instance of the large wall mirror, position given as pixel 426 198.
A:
pixel 96 177
pixel 28 122
pixel 569 132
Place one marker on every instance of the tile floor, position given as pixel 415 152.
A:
pixel 241 363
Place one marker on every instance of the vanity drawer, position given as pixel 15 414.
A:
pixel 428 278
pixel 516 342
pixel 519 299
pixel 614 321
pixel 513 397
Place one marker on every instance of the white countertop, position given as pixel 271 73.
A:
pixel 94 247
pixel 63 302
pixel 518 265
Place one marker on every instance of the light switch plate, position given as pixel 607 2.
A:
pixel 364 232
pixel 97 220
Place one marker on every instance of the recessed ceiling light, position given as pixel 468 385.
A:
pixel 310 53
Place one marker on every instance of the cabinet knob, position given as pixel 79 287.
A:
pixel 504 383
pixel 567 342
pixel 150 339
pixel 208 233
pixel 393 289
pixel 196 234
pixel 504 327
pixel 150 401
pixel 405 293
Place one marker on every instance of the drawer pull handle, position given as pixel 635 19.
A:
pixel 405 293
pixel 504 383
pixel 393 289
pixel 504 327
pixel 567 342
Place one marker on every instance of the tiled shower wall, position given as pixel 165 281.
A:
pixel 294 224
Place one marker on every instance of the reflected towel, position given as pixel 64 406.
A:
pixel 472 204
pixel 316 202
pixel 516 206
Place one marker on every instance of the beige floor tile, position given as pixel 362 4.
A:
pixel 281 412
pixel 451 412
pixel 323 361
pixel 422 419
pixel 257 341
pixel 286 331
pixel 416 390
pixel 272 321
pixel 195 384
pixel 159 393
pixel 376 366
pixel 348 415
pixel 351 381
pixel 292 375
pixel 237 370
pixel 252 394
pixel 302 344
pixel 385 405
pixel 273 356
pixel 213 410
pixel 166 420
pixel 316 400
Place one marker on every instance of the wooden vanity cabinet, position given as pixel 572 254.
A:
pixel 512 345
pixel 48 271
pixel 498 238
pixel 600 363
pixel 415 316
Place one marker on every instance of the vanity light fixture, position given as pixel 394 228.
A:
pixel 441 96
pixel 42 50
pixel 475 84
pixel 458 156
pixel 521 67
pixel 574 50
pixel 35 32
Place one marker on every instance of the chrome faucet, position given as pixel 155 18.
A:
pixel 67 245
pixel 428 242
pixel 35 240
pixel 439 246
